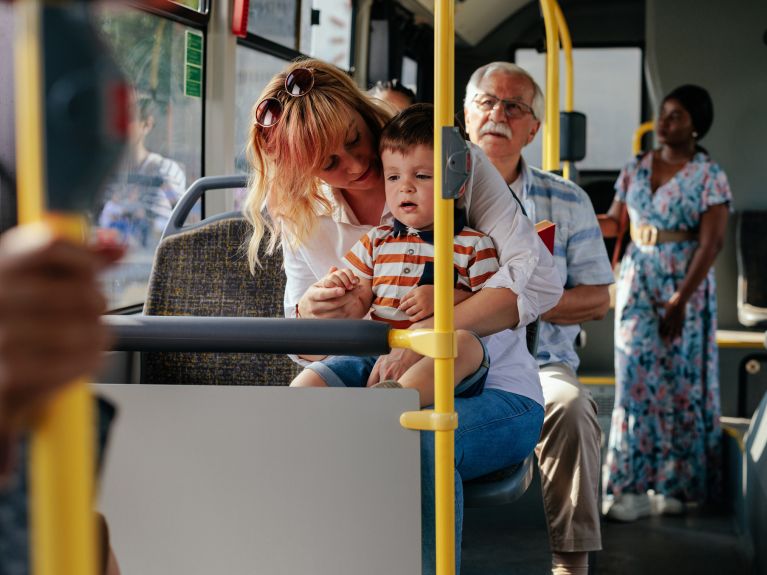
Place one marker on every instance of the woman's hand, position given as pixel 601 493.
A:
pixel 672 322
pixel 393 365
pixel 326 301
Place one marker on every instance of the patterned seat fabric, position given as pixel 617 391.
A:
pixel 204 272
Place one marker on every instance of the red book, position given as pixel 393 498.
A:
pixel 545 230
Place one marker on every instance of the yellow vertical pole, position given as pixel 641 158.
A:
pixel 636 142
pixel 567 47
pixel 551 125
pixel 444 85
pixel 61 459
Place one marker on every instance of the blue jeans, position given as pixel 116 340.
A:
pixel 495 430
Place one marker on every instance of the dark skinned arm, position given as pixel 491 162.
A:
pixel 713 224
pixel 609 223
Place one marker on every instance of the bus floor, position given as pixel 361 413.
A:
pixel 512 540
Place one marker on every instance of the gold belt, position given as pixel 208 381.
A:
pixel 649 235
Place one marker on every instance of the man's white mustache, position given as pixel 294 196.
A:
pixel 491 127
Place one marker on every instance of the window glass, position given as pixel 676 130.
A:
pixel 331 38
pixel 196 5
pixel 274 20
pixel 165 152
pixel 613 109
pixel 410 74
pixel 254 70
pixel 305 40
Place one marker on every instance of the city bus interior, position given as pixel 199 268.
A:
pixel 196 67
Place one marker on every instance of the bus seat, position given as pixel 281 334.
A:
pixel 202 270
pixel 752 273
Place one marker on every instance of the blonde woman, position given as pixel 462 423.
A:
pixel 314 154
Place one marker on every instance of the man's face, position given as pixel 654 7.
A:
pixel 500 136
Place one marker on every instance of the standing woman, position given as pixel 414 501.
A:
pixel 665 433
pixel 316 169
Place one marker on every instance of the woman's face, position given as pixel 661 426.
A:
pixel 674 126
pixel 354 165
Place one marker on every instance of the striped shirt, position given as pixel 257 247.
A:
pixel 579 251
pixel 398 259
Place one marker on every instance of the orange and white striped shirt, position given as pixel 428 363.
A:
pixel 397 259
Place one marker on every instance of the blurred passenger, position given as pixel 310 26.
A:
pixel 141 198
pixel 664 447
pixel 503 110
pixel 50 308
pixel 393 93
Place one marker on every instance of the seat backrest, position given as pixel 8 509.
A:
pixel 204 272
pixel 752 273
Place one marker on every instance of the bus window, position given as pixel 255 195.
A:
pixel 254 70
pixel 274 20
pixel 196 5
pixel 165 153
pixel 331 39
pixel 613 108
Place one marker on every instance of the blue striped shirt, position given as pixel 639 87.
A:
pixel 579 250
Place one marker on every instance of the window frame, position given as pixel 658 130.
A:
pixel 645 110
pixel 175 12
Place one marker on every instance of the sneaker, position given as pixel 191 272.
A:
pixel 627 507
pixel 664 505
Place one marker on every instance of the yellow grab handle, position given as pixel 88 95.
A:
pixel 636 142
pixel 62 445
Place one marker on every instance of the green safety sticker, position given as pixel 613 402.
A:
pixel 193 64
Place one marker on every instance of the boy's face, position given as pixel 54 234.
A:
pixel 409 181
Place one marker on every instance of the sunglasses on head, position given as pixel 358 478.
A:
pixel 298 83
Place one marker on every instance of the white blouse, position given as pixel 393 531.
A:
pixel 527 267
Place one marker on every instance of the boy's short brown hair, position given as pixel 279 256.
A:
pixel 413 126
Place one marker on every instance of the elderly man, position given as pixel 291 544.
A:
pixel 503 111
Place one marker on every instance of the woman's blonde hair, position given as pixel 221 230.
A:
pixel 284 156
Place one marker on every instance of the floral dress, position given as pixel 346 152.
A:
pixel 665 432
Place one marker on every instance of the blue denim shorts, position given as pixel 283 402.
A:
pixel 353 371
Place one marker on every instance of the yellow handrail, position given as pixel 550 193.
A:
pixel 636 142
pixel 61 457
pixel 567 47
pixel 444 57
pixel 551 124
pixel 440 343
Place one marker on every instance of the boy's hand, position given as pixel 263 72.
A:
pixel 418 303
pixel 343 278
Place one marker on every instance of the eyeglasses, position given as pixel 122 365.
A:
pixel 298 83
pixel 513 109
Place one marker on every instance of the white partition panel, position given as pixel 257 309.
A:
pixel 257 480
